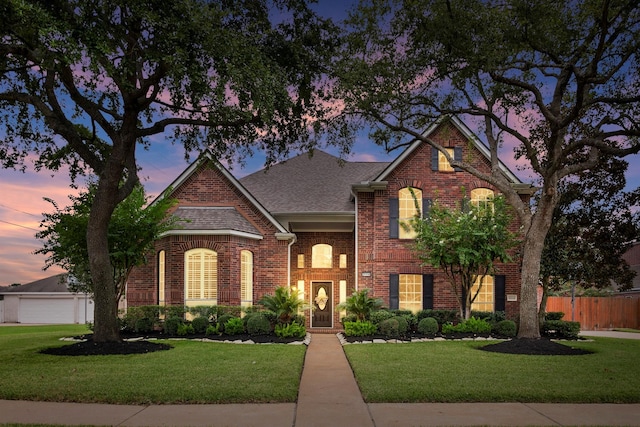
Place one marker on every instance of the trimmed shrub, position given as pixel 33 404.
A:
pixel 561 329
pixel 184 329
pixel 471 325
pixel 441 316
pixel 234 326
pixel 175 311
pixel 206 311
pixel 258 325
pixel 403 325
pixel 144 325
pixel 428 326
pixel 348 318
pixel 298 318
pixel 213 330
pixel 389 328
pixel 489 316
pixel 200 324
pixel 505 328
pixel 290 330
pixel 171 325
pixel 222 321
pixel 360 329
pixel 554 315
pixel 380 315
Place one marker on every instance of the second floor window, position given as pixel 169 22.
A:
pixel 408 208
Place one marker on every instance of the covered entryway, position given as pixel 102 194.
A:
pixel 322 300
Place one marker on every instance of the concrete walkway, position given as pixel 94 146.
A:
pixel 328 396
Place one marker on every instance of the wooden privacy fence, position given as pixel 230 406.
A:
pixel 596 313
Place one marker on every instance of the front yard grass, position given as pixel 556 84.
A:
pixel 457 371
pixel 191 372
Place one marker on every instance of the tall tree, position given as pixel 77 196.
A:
pixel 557 79
pixel 593 226
pixel 133 228
pixel 85 83
pixel 465 243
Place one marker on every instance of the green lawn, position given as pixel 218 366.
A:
pixel 457 371
pixel 192 372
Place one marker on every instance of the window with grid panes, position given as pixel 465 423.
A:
pixel 485 300
pixel 410 292
pixel 201 276
pixel 407 210
pixel 246 278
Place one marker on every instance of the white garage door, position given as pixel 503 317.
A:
pixel 46 310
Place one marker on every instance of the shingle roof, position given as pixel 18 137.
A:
pixel 213 218
pixel 57 283
pixel 304 184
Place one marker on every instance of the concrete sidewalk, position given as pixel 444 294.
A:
pixel 328 396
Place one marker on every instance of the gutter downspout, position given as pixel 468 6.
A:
pixel 355 262
pixel 291 237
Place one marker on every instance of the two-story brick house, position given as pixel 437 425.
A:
pixel 321 226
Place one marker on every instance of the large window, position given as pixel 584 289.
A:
pixel 321 256
pixel 410 292
pixel 161 277
pixel 482 197
pixel 246 278
pixel 201 277
pixel 485 300
pixel 409 205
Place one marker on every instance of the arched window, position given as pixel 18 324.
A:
pixel 161 277
pixel 246 278
pixel 409 205
pixel 482 197
pixel 321 256
pixel 201 277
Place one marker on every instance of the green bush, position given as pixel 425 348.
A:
pixel 403 325
pixel 291 330
pixel 134 314
pixel 207 311
pixel 222 321
pixel 441 316
pixel 360 329
pixel 184 329
pixel 471 325
pixel 409 317
pixel 554 315
pixel 389 328
pixel 428 326
pixel 258 325
pixel 505 328
pixel 234 326
pixel 298 318
pixel 200 324
pixel 175 311
pixel 144 325
pixel 379 316
pixel 171 325
pixel 489 316
pixel 561 329
pixel 213 330
pixel 348 318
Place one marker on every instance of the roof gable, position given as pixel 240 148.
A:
pixel 479 145
pixel 206 157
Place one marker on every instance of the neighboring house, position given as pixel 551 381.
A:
pixel 321 226
pixel 45 301
pixel 632 257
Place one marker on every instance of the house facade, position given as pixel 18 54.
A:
pixel 321 226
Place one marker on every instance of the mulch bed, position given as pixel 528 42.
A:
pixel 534 346
pixel 90 348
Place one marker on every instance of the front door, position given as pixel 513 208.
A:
pixel 322 305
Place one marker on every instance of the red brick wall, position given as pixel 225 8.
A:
pixel 207 186
pixel 380 256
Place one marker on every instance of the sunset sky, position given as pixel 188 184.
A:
pixel 22 204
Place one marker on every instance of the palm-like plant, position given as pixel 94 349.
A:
pixel 361 305
pixel 284 303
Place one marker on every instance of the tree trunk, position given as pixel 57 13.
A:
pixel 531 257
pixel 106 307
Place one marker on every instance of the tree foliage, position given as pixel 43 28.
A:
pixel 465 243
pixel 133 228
pixel 593 226
pixel 84 84
pixel 557 80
